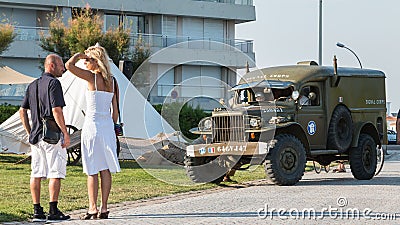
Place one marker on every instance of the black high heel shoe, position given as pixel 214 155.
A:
pixel 89 216
pixel 104 215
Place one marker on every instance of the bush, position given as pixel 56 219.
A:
pixel 188 118
pixel 7 110
pixel 7 36
pixel 84 30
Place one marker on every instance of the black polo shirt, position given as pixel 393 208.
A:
pixel 50 95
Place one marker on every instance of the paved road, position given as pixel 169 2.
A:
pixel 326 196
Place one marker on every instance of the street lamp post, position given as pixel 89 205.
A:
pixel 320 33
pixel 340 45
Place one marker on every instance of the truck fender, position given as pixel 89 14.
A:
pixel 296 130
pixel 366 128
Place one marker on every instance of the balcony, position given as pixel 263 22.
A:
pixel 235 2
pixel 26 43
pixel 25 33
pixel 157 42
pixel 163 41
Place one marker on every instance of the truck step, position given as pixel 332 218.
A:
pixel 324 152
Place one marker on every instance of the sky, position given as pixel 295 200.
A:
pixel 287 31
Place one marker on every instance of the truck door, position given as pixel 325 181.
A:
pixel 311 114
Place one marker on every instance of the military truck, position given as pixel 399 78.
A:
pixel 282 117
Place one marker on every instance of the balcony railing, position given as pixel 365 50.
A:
pixel 236 2
pixel 25 33
pixel 163 41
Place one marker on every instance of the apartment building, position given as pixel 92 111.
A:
pixel 160 24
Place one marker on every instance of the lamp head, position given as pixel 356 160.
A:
pixel 340 45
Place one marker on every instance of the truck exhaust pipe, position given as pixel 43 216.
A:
pixel 335 79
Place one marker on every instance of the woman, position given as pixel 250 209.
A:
pixel 98 142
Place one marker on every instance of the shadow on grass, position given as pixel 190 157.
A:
pixel 14 168
pixel 13 158
pixel 7 217
pixel 129 164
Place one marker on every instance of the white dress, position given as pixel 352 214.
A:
pixel 98 141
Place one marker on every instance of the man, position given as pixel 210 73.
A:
pixel 47 160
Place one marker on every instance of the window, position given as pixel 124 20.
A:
pixel 169 29
pixel 166 83
pixel 134 23
pixel 309 96
pixel 111 21
pixel 202 81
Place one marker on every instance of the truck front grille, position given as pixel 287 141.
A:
pixel 228 128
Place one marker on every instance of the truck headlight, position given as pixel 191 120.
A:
pixel 205 124
pixel 255 122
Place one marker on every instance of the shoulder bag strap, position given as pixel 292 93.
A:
pixel 39 105
pixel 38 99
pixel 117 97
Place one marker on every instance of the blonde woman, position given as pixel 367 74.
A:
pixel 98 142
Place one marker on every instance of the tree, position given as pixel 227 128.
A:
pixel 84 30
pixel 141 78
pixel 182 117
pixel 140 54
pixel 7 36
pixel 56 41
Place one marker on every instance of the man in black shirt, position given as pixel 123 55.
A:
pixel 48 160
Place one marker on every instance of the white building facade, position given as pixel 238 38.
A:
pixel 160 24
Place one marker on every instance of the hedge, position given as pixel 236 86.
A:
pixel 7 110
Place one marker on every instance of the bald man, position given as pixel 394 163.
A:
pixel 48 161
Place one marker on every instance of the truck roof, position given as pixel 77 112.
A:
pixel 304 73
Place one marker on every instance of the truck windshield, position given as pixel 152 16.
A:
pixel 258 95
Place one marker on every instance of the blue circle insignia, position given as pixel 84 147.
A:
pixel 311 127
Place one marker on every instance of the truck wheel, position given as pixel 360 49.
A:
pixel 340 132
pixel 286 162
pixel 204 170
pixel 363 158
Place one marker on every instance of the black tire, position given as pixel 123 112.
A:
pixel 380 158
pixel 286 162
pixel 340 132
pixel 75 154
pixel 363 158
pixel 204 170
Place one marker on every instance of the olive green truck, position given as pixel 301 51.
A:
pixel 282 117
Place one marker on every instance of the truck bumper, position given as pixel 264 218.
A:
pixel 231 148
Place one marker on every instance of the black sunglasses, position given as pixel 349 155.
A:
pixel 89 59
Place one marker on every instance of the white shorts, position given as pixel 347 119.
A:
pixel 48 161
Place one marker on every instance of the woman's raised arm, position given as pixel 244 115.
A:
pixel 81 73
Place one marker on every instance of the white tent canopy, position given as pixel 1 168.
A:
pixel 10 76
pixel 140 119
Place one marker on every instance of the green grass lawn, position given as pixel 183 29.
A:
pixel 132 183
